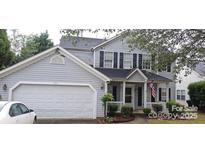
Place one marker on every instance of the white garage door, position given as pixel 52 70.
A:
pixel 58 101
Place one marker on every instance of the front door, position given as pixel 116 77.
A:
pixel 129 96
pixel 139 97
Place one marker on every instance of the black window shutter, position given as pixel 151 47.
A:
pixel 134 60
pixel 101 58
pixel 121 60
pixel 140 61
pixel 160 94
pixel 169 94
pixel 115 59
pixel 169 68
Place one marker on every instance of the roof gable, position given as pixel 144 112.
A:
pixel 46 53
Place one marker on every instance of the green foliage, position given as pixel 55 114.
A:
pixel 170 105
pixel 165 45
pixel 112 109
pixel 127 111
pixel 106 98
pixel 146 111
pixel 197 94
pixel 6 56
pixel 109 119
pixel 157 107
pixel 35 44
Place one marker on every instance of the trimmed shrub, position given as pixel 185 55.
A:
pixel 157 107
pixel 112 109
pixel 127 111
pixel 197 94
pixel 146 111
pixel 173 103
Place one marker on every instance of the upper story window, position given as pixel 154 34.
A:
pixel 127 61
pixel 108 60
pixel 146 61
pixel 181 95
pixel 166 68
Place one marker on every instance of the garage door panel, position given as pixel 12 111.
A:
pixel 57 101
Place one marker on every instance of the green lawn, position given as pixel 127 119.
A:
pixel 199 120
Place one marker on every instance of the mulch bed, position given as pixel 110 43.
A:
pixel 117 119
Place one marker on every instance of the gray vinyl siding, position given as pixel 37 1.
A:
pixel 43 71
pixel 119 45
pixel 86 56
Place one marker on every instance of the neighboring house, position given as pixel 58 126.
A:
pixel 198 74
pixel 68 81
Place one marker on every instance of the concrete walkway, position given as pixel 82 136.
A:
pixel 139 119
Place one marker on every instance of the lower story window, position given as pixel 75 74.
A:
pixel 163 94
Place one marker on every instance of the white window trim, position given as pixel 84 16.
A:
pixel 131 54
pixel 180 94
pixel 143 63
pixel 112 59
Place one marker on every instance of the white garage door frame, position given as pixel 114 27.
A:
pixel 58 84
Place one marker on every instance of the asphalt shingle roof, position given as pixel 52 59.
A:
pixel 200 68
pixel 80 42
pixel 123 73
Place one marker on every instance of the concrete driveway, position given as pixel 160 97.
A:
pixel 66 121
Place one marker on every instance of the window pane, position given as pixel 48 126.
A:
pixel 127 60
pixel 108 59
pixel 182 97
pixel 178 97
pixel 163 95
pixel 178 92
pixel 146 61
pixel 24 108
pixel 182 92
pixel 15 110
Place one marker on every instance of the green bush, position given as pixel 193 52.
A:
pixel 127 111
pixel 112 109
pixel 173 103
pixel 157 107
pixel 197 94
pixel 146 111
pixel 106 98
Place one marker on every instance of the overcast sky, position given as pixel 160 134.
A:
pixel 55 34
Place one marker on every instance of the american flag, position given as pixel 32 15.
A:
pixel 154 92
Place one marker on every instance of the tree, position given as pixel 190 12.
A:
pixel 6 56
pixel 17 41
pixel 186 47
pixel 105 99
pixel 34 45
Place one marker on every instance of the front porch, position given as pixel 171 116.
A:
pixel 138 94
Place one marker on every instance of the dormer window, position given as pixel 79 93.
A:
pixel 146 61
pixel 127 61
pixel 108 60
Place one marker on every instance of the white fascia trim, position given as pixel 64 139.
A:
pixel 26 62
pixel 58 84
pixel 140 72
pixel 84 65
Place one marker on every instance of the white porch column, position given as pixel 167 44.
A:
pixel 145 94
pixel 106 87
pixel 167 92
pixel 123 92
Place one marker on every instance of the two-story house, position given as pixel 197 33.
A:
pixel 68 81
